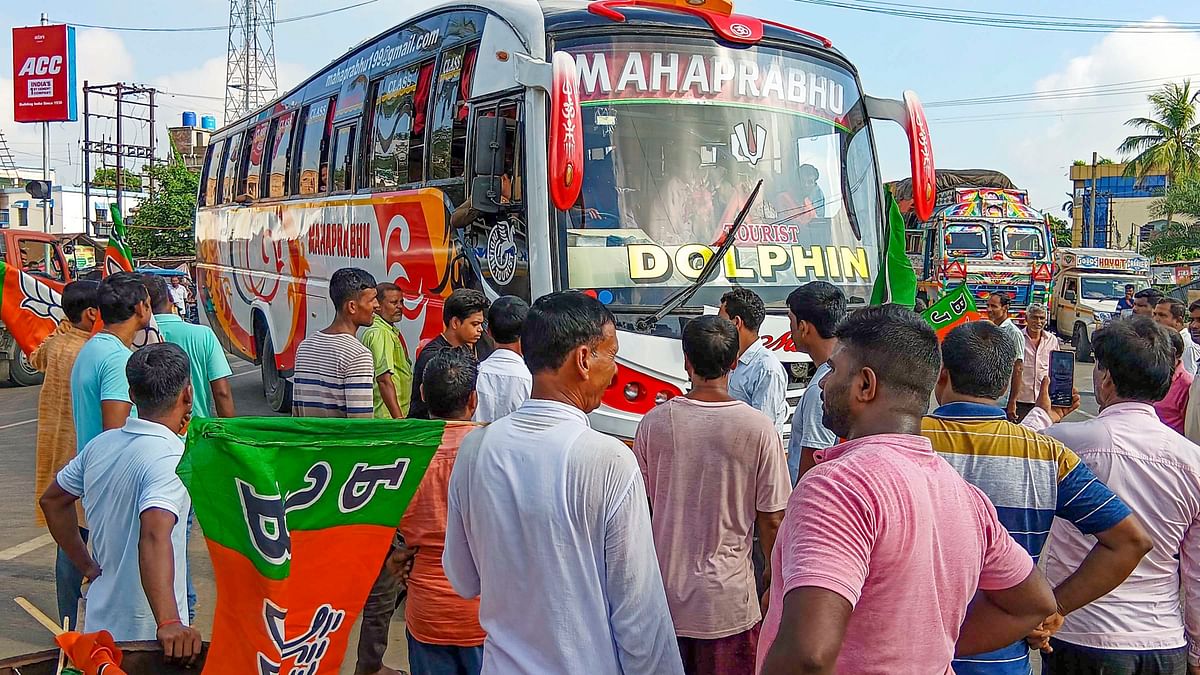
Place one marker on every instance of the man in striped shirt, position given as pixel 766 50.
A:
pixel 1029 478
pixel 334 375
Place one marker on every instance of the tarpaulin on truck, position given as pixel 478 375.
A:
pixel 952 178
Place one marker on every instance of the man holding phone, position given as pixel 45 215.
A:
pixel 1030 478
pixel 1039 344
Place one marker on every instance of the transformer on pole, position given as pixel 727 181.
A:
pixel 250 78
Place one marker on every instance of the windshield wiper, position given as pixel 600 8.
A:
pixel 647 323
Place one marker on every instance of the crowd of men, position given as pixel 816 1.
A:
pixel 882 538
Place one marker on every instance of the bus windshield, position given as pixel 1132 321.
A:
pixel 676 135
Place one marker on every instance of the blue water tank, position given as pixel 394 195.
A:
pixel 189 118
pixel 208 123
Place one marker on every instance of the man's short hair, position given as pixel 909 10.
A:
pixel 711 345
pixel 386 287
pixel 448 381
pixel 156 374
pixel 898 345
pixel 462 303
pixel 1129 287
pixel 1151 295
pixel 820 303
pixel 79 296
pixel 1194 306
pixel 1005 298
pixel 1178 312
pixel 743 303
pixel 980 359
pixel 1037 308
pixel 505 318
pixel 1138 356
pixel 1176 344
pixel 346 284
pixel 160 293
pixel 559 323
pixel 119 295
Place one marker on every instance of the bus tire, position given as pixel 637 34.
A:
pixel 1083 344
pixel 22 373
pixel 276 388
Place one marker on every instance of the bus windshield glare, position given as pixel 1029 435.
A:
pixel 676 135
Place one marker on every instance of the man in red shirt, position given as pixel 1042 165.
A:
pixel 887 560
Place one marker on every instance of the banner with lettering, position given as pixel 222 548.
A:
pixel 298 515
pixel 955 307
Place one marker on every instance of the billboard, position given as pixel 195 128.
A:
pixel 44 74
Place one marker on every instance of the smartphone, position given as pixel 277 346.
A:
pixel 1062 377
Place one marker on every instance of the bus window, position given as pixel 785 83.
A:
pixel 212 166
pixel 448 133
pixel 391 126
pixel 281 143
pixel 342 159
pixel 416 140
pixel 253 163
pixel 233 154
pixel 313 173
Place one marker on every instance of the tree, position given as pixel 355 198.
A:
pixel 1061 231
pixel 164 224
pixel 1180 240
pixel 107 178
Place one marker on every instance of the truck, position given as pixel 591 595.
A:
pixel 1088 284
pixel 984 233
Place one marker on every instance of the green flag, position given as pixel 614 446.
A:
pixel 955 307
pixel 896 282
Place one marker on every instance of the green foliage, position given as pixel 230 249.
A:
pixel 1170 139
pixel 107 178
pixel 1061 231
pixel 164 225
pixel 1104 161
pixel 1079 162
pixel 1181 239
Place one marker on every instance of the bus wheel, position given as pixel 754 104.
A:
pixel 21 372
pixel 276 388
pixel 1083 344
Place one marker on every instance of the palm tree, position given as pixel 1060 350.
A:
pixel 1171 138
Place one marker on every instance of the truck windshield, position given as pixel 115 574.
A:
pixel 966 241
pixel 676 134
pixel 1024 241
pixel 1106 288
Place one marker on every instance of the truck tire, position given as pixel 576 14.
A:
pixel 276 388
pixel 21 373
pixel 1083 344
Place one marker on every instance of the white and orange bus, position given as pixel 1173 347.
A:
pixel 524 146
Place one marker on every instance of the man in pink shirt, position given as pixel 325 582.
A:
pixel 1035 364
pixel 713 466
pixel 887 560
pixel 1172 409
pixel 1146 625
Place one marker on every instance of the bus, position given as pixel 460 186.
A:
pixel 525 146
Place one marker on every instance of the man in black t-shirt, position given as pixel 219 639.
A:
pixel 463 316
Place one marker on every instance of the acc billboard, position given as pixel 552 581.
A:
pixel 44 74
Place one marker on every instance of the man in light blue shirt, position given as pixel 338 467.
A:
pixel 758 379
pixel 814 312
pixel 99 391
pixel 210 369
pixel 135 505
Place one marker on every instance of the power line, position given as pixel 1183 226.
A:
pixel 1108 89
pixel 210 29
pixel 1003 20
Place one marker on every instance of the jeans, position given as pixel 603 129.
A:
pixel 377 614
pixel 191 590
pixel 68 585
pixel 1070 659
pixel 427 659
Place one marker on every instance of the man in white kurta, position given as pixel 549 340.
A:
pixel 548 519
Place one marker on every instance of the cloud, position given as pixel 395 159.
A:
pixel 1044 153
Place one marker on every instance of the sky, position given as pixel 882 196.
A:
pixel 1033 142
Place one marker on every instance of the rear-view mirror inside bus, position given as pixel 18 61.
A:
pixel 489 145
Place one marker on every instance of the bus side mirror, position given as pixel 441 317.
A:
pixel 490 139
pixel 485 194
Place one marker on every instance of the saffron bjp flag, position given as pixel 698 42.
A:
pixel 298 515
pixel 896 282
pixel 117 255
pixel 954 308
pixel 30 309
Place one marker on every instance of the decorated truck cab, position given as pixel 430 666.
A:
pixel 1088 284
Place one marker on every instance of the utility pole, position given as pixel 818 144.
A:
pixel 1093 192
pixel 130 103
pixel 47 205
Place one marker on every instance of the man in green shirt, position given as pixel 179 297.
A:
pixel 212 394
pixel 393 372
